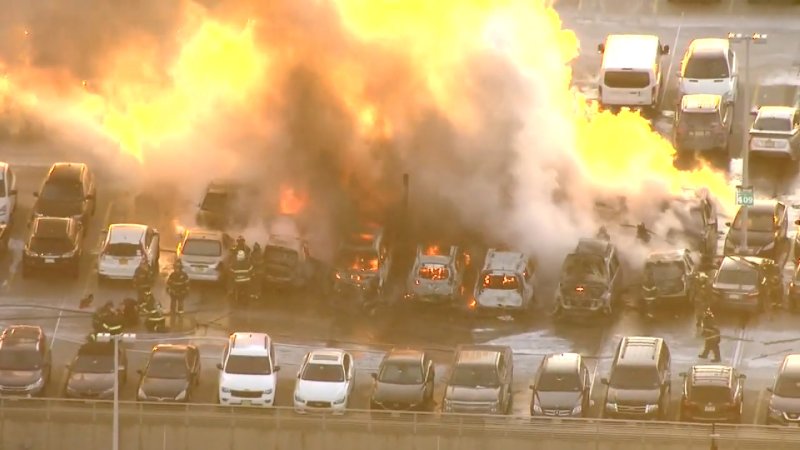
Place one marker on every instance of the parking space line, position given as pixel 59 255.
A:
pixel 738 350
pixel 671 61
pixel 760 405
pixel 730 6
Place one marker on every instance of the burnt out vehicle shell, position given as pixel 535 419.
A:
pixel 364 257
pixel 225 205
pixel 591 279
pixel 674 280
pixel 447 290
pixel 287 261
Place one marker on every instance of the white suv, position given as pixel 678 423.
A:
pixel 325 381
pixel 248 371
pixel 709 67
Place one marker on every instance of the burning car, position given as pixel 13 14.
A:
pixel 671 273
pixel 506 283
pixel 363 256
pixel 437 277
pixel 287 261
pixel 591 279
pixel 225 204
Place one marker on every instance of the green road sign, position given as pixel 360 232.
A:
pixel 744 196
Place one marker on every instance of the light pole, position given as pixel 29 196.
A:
pixel 756 38
pixel 115 338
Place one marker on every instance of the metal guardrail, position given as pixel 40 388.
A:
pixel 68 420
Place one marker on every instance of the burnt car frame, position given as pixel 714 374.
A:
pixel 591 280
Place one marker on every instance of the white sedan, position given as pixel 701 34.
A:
pixel 124 247
pixel 324 382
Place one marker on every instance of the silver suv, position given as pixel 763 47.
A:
pixel 481 380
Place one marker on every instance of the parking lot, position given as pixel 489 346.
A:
pixel 755 346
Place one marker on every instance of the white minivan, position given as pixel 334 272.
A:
pixel 630 74
pixel 8 193
pixel 248 374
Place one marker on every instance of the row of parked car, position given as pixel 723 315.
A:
pixel 480 381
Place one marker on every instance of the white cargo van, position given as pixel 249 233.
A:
pixel 630 75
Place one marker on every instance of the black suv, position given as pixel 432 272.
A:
pixel 404 382
pixel 54 243
pixel 24 361
pixel 68 190
pixel 639 384
pixel 766 231
pixel 672 273
pixel 591 279
pixel 562 387
pixel 712 393
pixel 91 373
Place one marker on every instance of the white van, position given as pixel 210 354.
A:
pixel 248 371
pixel 8 193
pixel 630 75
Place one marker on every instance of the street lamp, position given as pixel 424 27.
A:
pixel 755 38
pixel 116 338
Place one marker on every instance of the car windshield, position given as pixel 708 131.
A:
pixel 712 67
pixel 62 192
pixel 280 256
pixel 787 386
pixel 772 124
pixel 665 271
pixel 248 365
pixel 627 377
pixel 168 366
pixel 359 260
pixel 202 247
pixel 215 202
pixel 582 267
pixel 559 382
pixel 471 375
pixel 699 119
pixel 94 363
pixel 626 79
pixel 394 372
pixel 51 245
pixel 500 281
pixel 742 277
pixel 124 249
pixel 18 359
pixel 331 373
pixel 2 185
pixel 433 272
pixel 709 394
pixel 755 222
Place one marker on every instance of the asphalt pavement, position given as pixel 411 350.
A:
pixel 300 324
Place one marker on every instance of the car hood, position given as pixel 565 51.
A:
pixel 60 208
pixel 720 86
pixel 558 400
pixel 401 393
pixel 322 391
pixel 472 394
pixel 247 382
pixel 785 404
pixel 19 377
pixel 500 297
pixel 163 388
pixel 755 239
pixel 96 382
pixel 633 396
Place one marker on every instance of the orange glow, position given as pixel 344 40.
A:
pixel 579 289
pixel 432 250
pixel 366 265
pixel 177 227
pixel 291 201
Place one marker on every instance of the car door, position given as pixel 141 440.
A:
pixel 586 379
pixel 151 243
pixel 430 375
pixel 782 223
pixel 688 272
pixel 733 64
pixel 11 191
pixel 612 266
pixel 349 375
pixel 795 139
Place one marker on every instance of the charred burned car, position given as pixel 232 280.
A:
pixel 670 273
pixel 506 283
pixel 591 280
pixel 364 255
pixel 697 214
pixel 225 204
pixel 287 260
pixel 437 277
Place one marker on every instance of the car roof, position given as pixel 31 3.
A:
pixel 51 226
pixel 96 348
pixel 404 355
pixel 504 260
pixel 791 363
pixel 66 171
pixel 22 334
pixel 479 354
pixel 666 256
pixel 638 350
pixel 709 46
pixel 129 233
pixel 630 51
pixel 201 233
pixel 175 349
pixel 700 102
pixel 561 362
pixel 591 246
pixel 777 112
pixel 711 375
pixel 247 343
pixel 326 356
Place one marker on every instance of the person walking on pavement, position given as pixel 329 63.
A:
pixel 177 287
pixel 711 337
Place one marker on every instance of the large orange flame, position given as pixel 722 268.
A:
pixel 291 201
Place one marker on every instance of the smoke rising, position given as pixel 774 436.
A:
pixel 474 103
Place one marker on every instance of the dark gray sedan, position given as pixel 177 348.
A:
pixel 171 374
pixel 404 382
pixel 91 373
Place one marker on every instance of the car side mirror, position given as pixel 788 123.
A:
pixel 140 372
pixel 12 192
pixel 532 387
pixel 770 390
pixel 35 194
pixel 665 50
pixel 601 48
pixel 754 111
pixel 219 366
pixel 727 224
pixel 374 376
pixel 797 222
pixel 683 374
pixel 276 369
pixel 742 376
pixel 604 381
